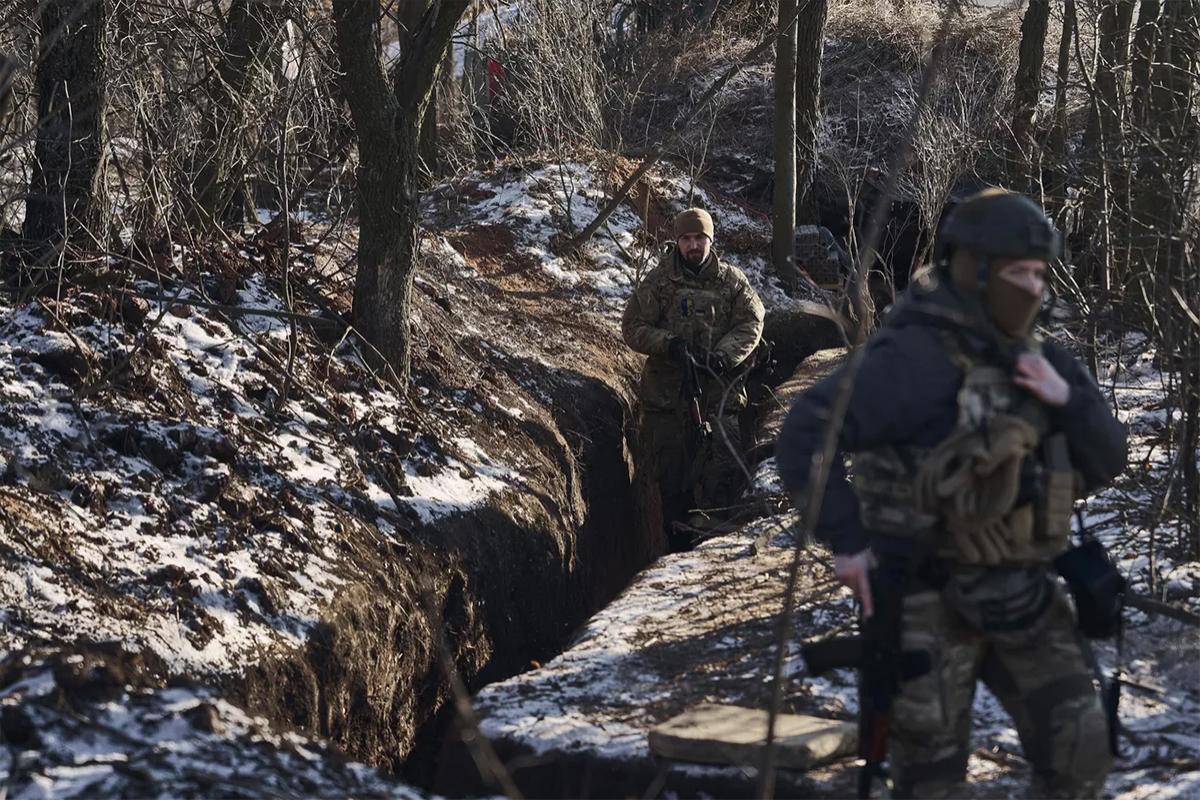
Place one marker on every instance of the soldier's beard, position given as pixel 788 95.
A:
pixel 694 258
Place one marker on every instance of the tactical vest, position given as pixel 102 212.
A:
pixel 893 499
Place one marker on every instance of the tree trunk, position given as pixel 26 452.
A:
pixel 429 135
pixel 66 187
pixel 1166 151
pixel 1056 191
pixel 810 41
pixel 1140 139
pixel 1108 113
pixel 783 216
pixel 1028 86
pixel 387 118
pixel 1145 37
pixel 1107 207
pixel 8 77
pixel 1174 77
pixel 219 173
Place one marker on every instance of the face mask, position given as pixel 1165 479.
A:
pixel 1011 307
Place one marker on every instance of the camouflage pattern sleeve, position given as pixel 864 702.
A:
pixel 746 322
pixel 643 312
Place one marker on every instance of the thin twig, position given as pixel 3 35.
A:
pixel 819 473
pixel 677 132
pixel 484 756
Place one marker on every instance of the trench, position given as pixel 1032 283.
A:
pixel 503 586
pixel 599 422
pixel 441 763
pixel 610 548
pixel 496 588
pixel 604 433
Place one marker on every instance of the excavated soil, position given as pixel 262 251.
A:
pixel 564 539
pixel 505 365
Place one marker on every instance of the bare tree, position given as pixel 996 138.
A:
pixel 1166 234
pixel 1104 142
pixel 1138 175
pixel 810 41
pixel 1055 184
pixel 1104 126
pixel 251 27
pixel 387 118
pixel 64 187
pixel 1145 36
pixel 1027 87
pixel 783 215
pixel 552 91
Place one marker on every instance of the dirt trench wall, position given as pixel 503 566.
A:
pixel 507 581
pixel 802 357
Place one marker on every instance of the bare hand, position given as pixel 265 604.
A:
pixel 1037 376
pixel 852 572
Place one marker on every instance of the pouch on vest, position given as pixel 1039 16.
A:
pixel 1096 585
pixel 883 482
pixel 1052 528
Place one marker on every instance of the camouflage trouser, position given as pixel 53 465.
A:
pixel 1039 676
pixel 688 472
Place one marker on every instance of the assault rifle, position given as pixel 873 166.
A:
pixel 882 665
pixel 693 393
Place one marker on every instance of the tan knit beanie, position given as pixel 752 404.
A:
pixel 694 220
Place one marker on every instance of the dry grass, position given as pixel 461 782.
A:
pixel 901 31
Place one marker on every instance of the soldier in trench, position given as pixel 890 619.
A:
pixel 697 320
pixel 969 440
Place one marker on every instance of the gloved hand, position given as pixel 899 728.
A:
pixel 718 361
pixel 713 360
pixel 677 349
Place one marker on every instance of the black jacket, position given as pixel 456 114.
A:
pixel 906 393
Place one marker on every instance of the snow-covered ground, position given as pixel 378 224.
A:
pixel 155 496
pixel 541 205
pixel 73 731
pixel 152 491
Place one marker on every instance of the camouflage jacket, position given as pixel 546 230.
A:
pixel 715 309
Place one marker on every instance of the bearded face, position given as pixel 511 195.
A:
pixel 694 247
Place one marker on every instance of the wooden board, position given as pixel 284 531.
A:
pixel 719 734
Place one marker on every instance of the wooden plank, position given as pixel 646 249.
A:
pixel 721 734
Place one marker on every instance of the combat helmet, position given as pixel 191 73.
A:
pixel 992 224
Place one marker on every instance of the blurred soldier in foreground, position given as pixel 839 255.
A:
pixel 697 320
pixel 969 441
